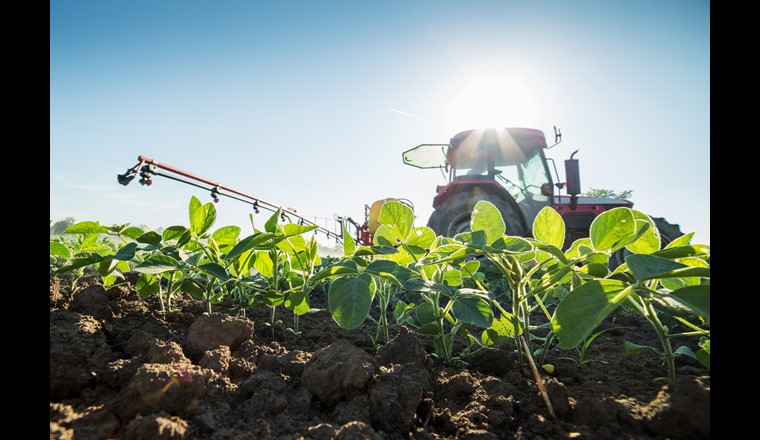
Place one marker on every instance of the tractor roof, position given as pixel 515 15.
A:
pixel 507 146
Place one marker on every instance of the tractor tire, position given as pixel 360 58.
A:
pixel 668 233
pixel 453 216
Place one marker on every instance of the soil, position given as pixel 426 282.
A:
pixel 119 369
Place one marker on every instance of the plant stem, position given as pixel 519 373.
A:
pixel 272 320
pixel 539 382
pixel 662 333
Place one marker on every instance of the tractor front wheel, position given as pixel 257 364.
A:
pixel 453 216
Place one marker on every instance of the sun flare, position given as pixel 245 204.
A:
pixel 492 101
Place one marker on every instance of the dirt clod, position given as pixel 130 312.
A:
pixel 338 371
pixel 210 331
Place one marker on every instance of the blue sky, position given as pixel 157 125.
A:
pixel 309 104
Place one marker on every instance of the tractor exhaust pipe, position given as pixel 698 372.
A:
pixel 573 178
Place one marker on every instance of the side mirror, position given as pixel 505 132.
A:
pixel 546 189
pixel 573 175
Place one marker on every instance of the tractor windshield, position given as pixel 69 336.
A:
pixel 523 181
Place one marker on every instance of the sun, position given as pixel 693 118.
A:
pixel 492 101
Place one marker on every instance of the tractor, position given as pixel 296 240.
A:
pixel 508 168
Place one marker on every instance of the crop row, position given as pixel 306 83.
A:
pixel 432 284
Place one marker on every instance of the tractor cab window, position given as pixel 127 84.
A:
pixel 523 182
pixel 533 175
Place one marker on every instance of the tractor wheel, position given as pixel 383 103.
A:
pixel 453 216
pixel 668 233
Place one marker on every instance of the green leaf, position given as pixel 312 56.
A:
pixel 683 240
pixel 90 243
pixel 173 232
pixel 105 267
pixel 596 270
pixel 292 244
pixel 507 326
pixel 401 312
pixel 703 354
pixel 385 236
pixel 578 314
pixel 649 240
pixel 226 235
pixel 350 299
pixel 553 251
pixel 157 264
pixel 574 251
pixel 343 267
pixel 684 351
pixel 476 239
pixel 511 245
pixel 696 298
pixel 472 310
pixel 271 224
pixel 123 266
pixel 189 286
pixel 430 329
pixel 251 242
pixel 634 349
pixel 349 245
pixel 452 277
pixel 391 271
pixel 147 285
pixel 425 313
pixel 202 217
pixel 486 217
pixel 117 228
pixel 549 227
pixel 470 268
pixel 132 232
pixel 421 237
pixel 86 228
pixel 215 270
pixel 150 237
pixel 420 285
pixel 292 229
pixel 127 252
pixel 59 249
pixel 693 250
pixel 297 303
pixel 82 259
pixel 610 229
pixel 263 263
pixel 398 217
pixel 645 267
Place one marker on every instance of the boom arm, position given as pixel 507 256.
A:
pixel 148 167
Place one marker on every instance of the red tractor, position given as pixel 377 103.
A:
pixel 507 167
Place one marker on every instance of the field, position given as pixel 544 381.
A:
pixel 193 334
pixel 120 370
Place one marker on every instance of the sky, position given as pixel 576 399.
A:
pixel 310 104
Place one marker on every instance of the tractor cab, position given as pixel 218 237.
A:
pixel 504 164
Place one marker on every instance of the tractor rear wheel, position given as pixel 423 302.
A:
pixel 453 216
pixel 668 233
